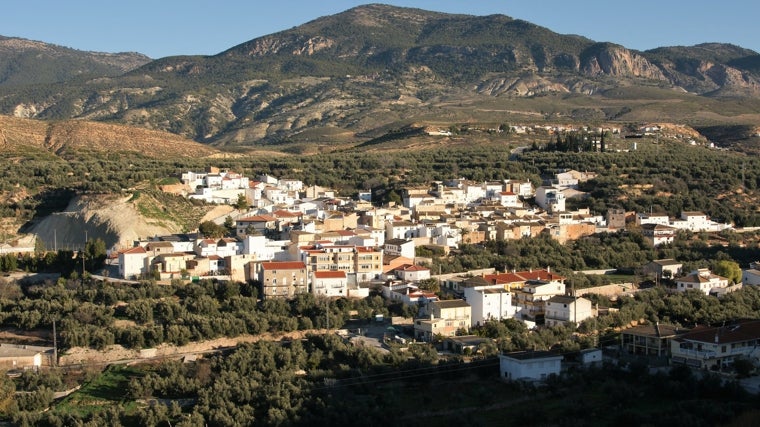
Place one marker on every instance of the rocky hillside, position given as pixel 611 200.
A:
pixel 119 220
pixel 350 75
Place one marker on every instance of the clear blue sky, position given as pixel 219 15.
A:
pixel 161 28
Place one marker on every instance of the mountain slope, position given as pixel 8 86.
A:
pixel 27 62
pixel 373 67
pixel 67 137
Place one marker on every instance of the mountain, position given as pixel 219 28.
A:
pixel 356 75
pixel 26 62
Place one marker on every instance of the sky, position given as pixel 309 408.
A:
pixel 159 28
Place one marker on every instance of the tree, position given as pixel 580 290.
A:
pixel 242 202
pixel 728 269
pixel 7 392
pixel 95 251
pixel 431 285
pixel 211 229
pixel 229 224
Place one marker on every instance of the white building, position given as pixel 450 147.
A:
pixel 412 273
pixel 751 277
pixel 550 198
pixel 561 309
pixel 400 247
pixel 329 283
pixel 652 218
pixel 488 301
pixel 702 280
pixel 132 262
pixel 529 365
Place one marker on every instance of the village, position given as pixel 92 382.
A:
pixel 295 239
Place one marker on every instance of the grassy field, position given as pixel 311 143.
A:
pixel 109 388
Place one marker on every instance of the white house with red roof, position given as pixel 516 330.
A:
pixel 329 283
pixel 412 273
pixel 702 280
pixel 205 247
pixel 132 262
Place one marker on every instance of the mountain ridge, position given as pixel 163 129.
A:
pixel 377 65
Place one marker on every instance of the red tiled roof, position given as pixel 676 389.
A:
pixel 744 330
pixel 283 265
pixel 330 274
pixel 282 213
pixel 135 250
pixel 503 278
pixel 257 218
pixel 539 275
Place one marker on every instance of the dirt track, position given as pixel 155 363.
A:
pixel 114 353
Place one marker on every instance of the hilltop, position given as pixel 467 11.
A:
pixel 28 62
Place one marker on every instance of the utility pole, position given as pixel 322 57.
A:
pixel 55 346
pixel 327 313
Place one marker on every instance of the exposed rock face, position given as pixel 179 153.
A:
pixel 108 217
pixel 521 86
pixel 618 61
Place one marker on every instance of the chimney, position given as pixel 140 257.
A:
pixel 657 329
pixel 548 269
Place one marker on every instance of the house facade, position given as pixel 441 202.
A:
pixel 444 319
pixel 329 283
pixel 132 262
pixel 529 365
pixel 283 279
pixel 561 309
pixel 658 234
pixel 702 280
pixel 663 268
pixel 717 347
pixel 649 340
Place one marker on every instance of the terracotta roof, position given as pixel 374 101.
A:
pixel 135 250
pixel 503 278
pixel 257 218
pixel 283 265
pixel 282 213
pixel 699 278
pixel 330 274
pixel 743 330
